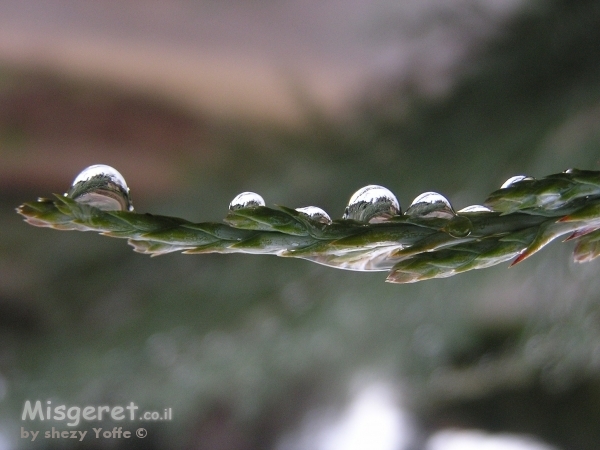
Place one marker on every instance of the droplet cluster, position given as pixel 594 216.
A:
pixel 105 188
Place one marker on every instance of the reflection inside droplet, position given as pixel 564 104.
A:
pixel 246 200
pixel 430 204
pixel 372 204
pixel 101 186
pixel 475 208
pixel 315 214
pixel 515 179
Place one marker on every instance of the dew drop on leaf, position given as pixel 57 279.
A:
pixel 475 208
pixel 512 180
pixel 246 200
pixel 103 187
pixel 315 214
pixel 430 204
pixel 372 204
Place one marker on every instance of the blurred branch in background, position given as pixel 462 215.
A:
pixel 303 102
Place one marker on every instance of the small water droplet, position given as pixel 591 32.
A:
pixel 512 180
pixel 372 204
pixel 101 186
pixel 315 214
pixel 475 208
pixel 246 200
pixel 431 204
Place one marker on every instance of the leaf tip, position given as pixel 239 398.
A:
pixel 523 256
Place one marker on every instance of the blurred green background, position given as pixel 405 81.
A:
pixel 303 102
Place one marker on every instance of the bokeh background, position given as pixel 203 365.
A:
pixel 304 102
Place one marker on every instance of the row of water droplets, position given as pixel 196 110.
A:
pixel 370 204
pixel 105 188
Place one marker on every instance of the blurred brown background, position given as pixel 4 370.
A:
pixel 303 102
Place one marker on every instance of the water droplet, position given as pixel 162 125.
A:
pixel 103 187
pixel 246 200
pixel 315 214
pixel 475 208
pixel 512 180
pixel 431 204
pixel 372 204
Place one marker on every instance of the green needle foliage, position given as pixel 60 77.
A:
pixel 430 240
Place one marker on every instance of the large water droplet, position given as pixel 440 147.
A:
pixel 431 204
pixel 475 208
pixel 246 200
pixel 103 187
pixel 315 214
pixel 512 180
pixel 372 204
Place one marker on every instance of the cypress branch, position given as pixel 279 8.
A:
pixel 430 240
